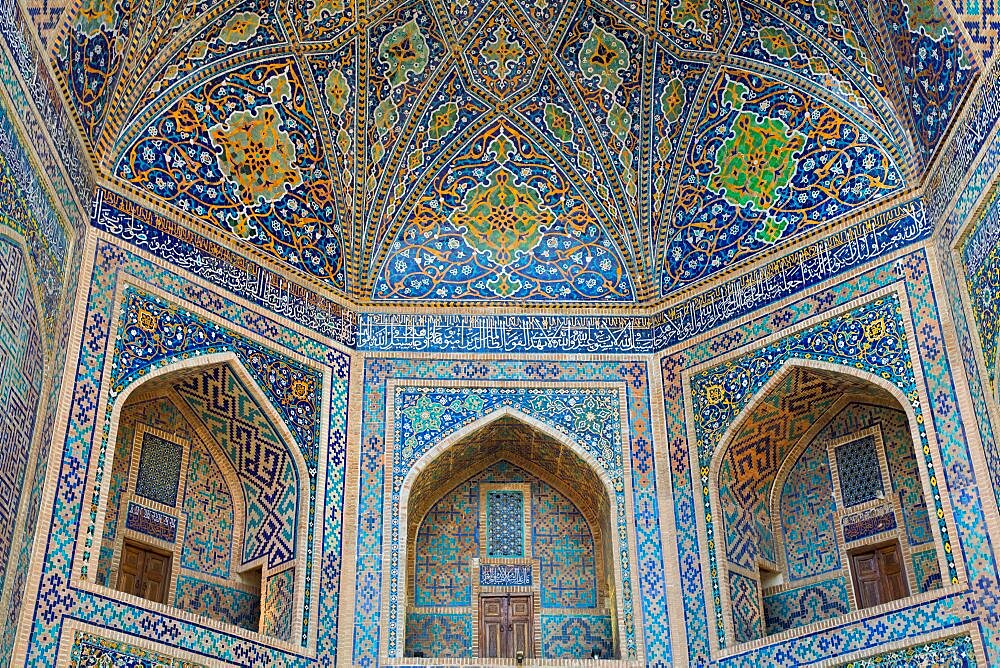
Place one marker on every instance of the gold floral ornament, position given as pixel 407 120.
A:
pixel 503 217
pixel 714 394
pixel 692 13
pixel 320 9
pixel 503 52
pixel 257 155
pixel 875 330
pixel 146 320
pixel 240 28
pixel 337 91
pixel 300 389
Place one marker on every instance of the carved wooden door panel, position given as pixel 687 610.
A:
pixel 144 572
pixel 491 626
pixel 519 625
pixel 879 576
pixel 505 626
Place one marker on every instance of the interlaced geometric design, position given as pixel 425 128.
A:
pixel 860 471
pixel 505 524
pixel 159 474
pixel 20 387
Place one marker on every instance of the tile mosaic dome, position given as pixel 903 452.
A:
pixel 540 151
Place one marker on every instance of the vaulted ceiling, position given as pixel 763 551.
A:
pixel 534 151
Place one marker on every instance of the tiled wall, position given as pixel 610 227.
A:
pixel 21 362
pixel 208 583
pixel 560 539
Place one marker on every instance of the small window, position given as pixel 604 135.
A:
pixel 505 523
pixel 860 471
pixel 159 474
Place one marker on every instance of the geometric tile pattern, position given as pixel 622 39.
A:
pixel 208 506
pixel 807 516
pixel 159 413
pixel 564 547
pixel 217 601
pixel 439 635
pixel 25 207
pixel 927 570
pixel 207 548
pixel 861 473
pixel 808 507
pixel 812 603
pixel 448 538
pixel 762 444
pixel 21 358
pixel 262 461
pixel 576 636
pixel 277 605
pixel 900 456
pixel 744 596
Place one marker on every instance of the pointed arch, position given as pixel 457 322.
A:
pixel 855 383
pixel 608 560
pixel 161 383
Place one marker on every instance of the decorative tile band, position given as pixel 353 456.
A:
pixel 222 267
pixel 151 522
pixel 870 527
pixel 91 650
pixel 505 575
pixel 830 256
pixel 826 258
pixel 951 652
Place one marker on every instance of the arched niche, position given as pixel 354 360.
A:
pixel 23 368
pixel 509 452
pixel 208 487
pixel 815 478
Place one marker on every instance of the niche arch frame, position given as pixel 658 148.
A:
pixel 784 370
pixel 186 362
pixel 36 466
pixel 724 645
pixel 392 653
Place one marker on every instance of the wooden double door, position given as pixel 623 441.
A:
pixel 879 576
pixel 144 572
pixel 505 626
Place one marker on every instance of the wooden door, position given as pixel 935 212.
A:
pixel 879 576
pixel 505 626
pixel 144 572
pixel 492 626
pixel 519 625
